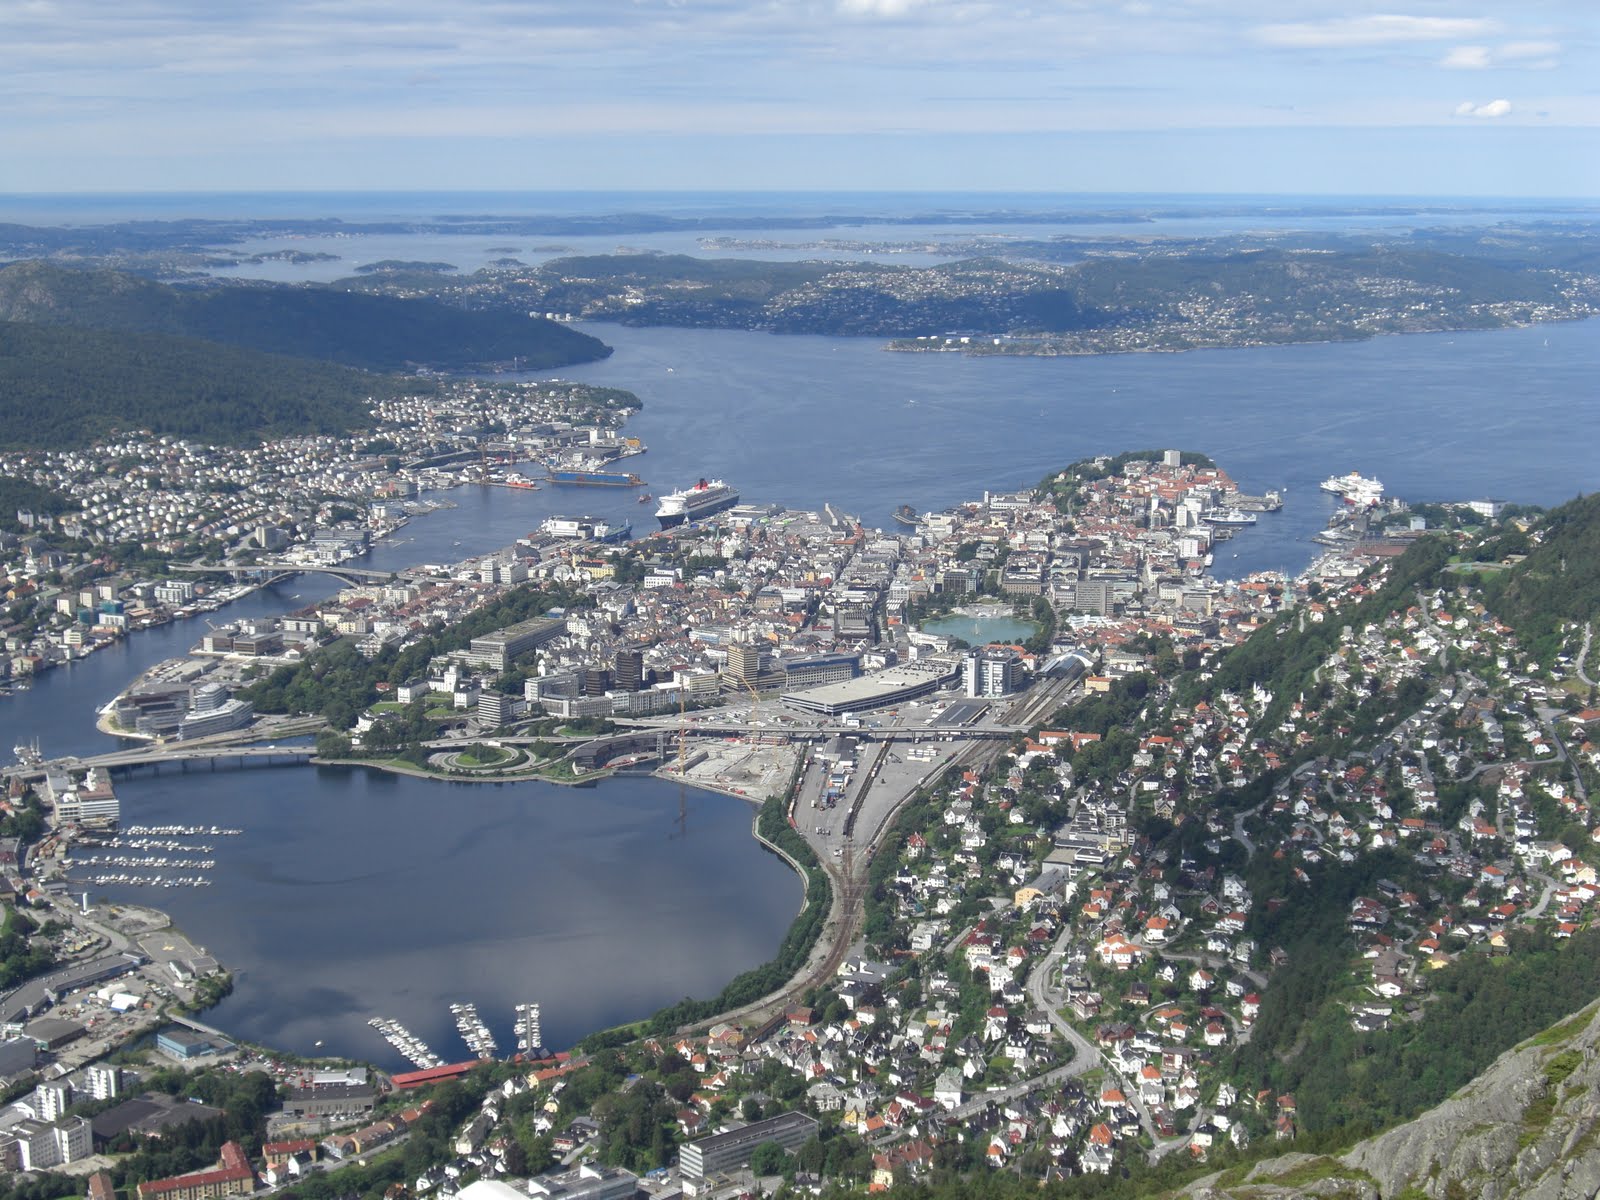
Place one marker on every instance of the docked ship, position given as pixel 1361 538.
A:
pixel 595 478
pixel 701 500
pixel 906 515
pixel 1228 516
pixel 1355 488
pixel 587 529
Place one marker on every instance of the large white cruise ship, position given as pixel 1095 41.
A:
pixel 701 500
pixel 1355 488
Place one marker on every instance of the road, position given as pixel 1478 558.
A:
pixel 1085 1055
pixel 1583 656
pixel 1239 834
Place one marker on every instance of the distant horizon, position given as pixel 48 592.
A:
pixel 1229 97
pixel 1410 197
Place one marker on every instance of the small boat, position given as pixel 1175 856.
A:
pixel 646 498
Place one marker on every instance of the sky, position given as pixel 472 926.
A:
pixel 1392 97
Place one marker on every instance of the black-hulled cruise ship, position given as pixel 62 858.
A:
pixel 701 500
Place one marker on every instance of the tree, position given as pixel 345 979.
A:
pixel 769 1159
pixel 331 744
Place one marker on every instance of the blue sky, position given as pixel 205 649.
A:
pixel 1422 97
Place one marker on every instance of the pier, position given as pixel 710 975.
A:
pixel 473 1031
pixel 410 1046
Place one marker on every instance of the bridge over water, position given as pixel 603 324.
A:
pixel 241 746
pixel 272 570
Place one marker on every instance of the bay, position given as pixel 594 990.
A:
pixel 353 893
pixel 339 872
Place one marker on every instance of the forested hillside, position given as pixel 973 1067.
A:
pixel 66 387
pixel 1560 578
pixel 380 333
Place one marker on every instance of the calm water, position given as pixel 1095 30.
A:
pixel 859 215
pixel 353 895
pixel 804 420
pixel 980 631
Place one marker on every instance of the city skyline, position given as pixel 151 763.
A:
pixel 1236 96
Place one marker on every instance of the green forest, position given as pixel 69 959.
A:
pixel 1558 581
pixel 68 387
pixel 377 333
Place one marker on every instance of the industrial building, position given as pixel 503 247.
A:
pixel 698 1161
pixel 880 689
pixel 185 1044
pixel 334 1098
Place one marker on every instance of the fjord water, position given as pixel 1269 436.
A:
pixel 352 894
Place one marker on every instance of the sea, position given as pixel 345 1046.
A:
pixel 351 894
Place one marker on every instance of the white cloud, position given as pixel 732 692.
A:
pixel 1376 30
pixel 1494 108
pixel 1509 54
pixel 879 8
pixel 1467 58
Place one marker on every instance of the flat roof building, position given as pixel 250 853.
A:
pixel 880 689
pixel 588 1182
pixel 496 650
pixel 340 1098
pixel 726 1151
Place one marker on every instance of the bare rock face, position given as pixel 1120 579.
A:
pixel 1528 1128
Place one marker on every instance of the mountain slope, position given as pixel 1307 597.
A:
pixel 1528 1128
pixel 380 333
pixel 65 387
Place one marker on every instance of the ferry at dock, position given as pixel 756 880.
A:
pixel 1355 489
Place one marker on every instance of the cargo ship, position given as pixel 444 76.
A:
pixel 701 500
pixel 595 478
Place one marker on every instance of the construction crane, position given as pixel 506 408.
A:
pixel 755 709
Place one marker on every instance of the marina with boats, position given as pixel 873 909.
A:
pixel 165 856
pixel 410 1047
pixel 473 1031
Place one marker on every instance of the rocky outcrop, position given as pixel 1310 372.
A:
pixel 1528 1128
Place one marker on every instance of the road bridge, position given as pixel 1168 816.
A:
pixel 160 756
pixel 240 744
pixel 268 571
pixel 814 733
